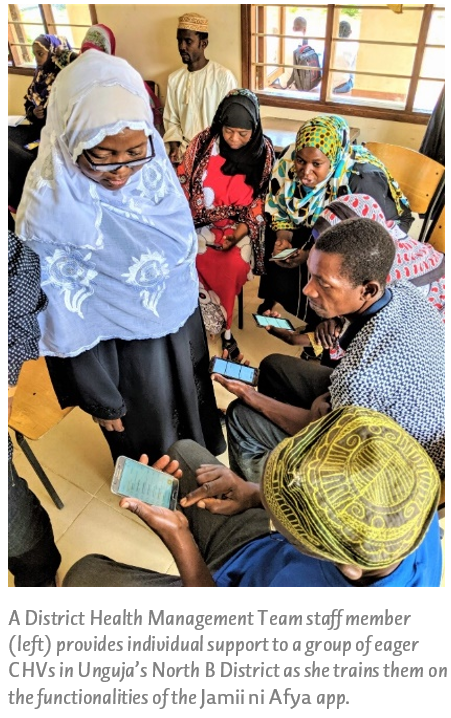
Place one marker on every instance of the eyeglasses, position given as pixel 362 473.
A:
pixel 112 168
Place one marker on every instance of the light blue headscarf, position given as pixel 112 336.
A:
pixel 115 264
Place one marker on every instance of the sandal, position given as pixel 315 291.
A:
pixel 232 347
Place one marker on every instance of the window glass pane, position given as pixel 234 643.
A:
pixel 21 35
pixel 437 28
pixel 433 63
pixel 427 95
pixel 26 23
pixel 381 91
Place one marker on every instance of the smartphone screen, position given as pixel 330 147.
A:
pixel 131 478
pixel 284 254
pixel 279 322
pixel 232 370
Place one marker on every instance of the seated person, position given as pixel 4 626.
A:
pixel 345 59
pixel 52 53
pixel 99 37
pixel 417 262
pixel 224 175
pixel 304 181
pixel 387 535
pixel 394 358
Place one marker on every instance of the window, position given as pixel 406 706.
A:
pixel 374 62
pixel 26 22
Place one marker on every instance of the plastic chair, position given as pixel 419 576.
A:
pixel 421 178
pixel 35 411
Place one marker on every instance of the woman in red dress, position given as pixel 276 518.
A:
pixel 225 174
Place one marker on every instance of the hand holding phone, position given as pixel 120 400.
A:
pixel 234 370
pixel 283 255
pixel 133 479
pixel 262 320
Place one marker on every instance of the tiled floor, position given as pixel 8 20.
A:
pixel 80 467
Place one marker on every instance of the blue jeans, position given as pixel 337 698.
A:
pixel 33 558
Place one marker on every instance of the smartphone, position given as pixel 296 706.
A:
pixel 233 370
pixel 284 254
pixel 131 478
pixel 279 322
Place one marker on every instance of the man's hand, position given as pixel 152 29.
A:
pixel 39 112
pixel 321 406
pixel 221 491
pixel 297 338
pixel 328 332
pixel 296 259
pixel 173 529
pixel 239 360
pixel 165 522
pixel 171 526
pixel 174 152
pixel 238 388
pixel 165 464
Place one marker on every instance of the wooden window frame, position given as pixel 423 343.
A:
pixel 50 27
pixel 252 23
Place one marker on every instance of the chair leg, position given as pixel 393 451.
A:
pixel 38 469
pixel 240 309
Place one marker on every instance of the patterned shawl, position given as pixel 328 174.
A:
pixel 44 77
pixel 191 172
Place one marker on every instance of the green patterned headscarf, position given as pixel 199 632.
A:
pixel 329 133
pixel 353 488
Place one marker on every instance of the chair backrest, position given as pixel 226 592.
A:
pixel 436 235
pixel 35 407
pixel 418 176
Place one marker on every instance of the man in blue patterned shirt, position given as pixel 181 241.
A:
pixel 394 361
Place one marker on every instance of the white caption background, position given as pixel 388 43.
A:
pixel 296 650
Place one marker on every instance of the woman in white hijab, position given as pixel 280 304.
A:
pixel 103 208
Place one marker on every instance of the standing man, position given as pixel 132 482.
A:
pixel 195 91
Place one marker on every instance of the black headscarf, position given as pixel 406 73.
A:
pixel 240 109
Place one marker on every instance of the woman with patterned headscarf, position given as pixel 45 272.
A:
pixel 52 53
pixel 321 166
pixel 225 174
pixel 102 207
pixel 99 37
